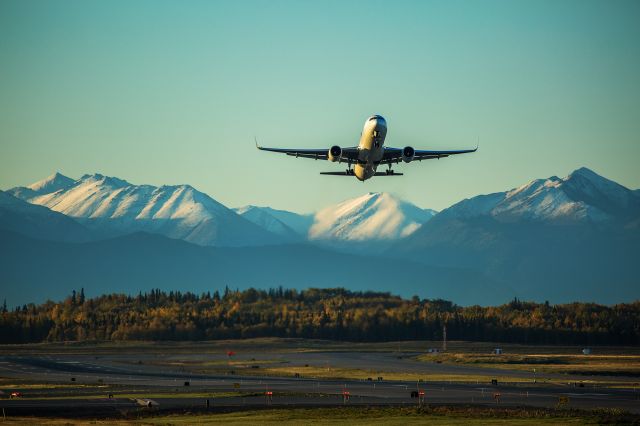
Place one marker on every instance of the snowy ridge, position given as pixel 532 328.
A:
pixel 176 211
pixel 373 216
pixel 51 183
pixel 263 217
pixel 300 223
pixel 583 195
pixel 112 206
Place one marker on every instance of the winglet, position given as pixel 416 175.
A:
pixel 477 144
pixel 256 140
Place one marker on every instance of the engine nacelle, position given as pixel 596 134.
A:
pixel 407 154
pixel 335 152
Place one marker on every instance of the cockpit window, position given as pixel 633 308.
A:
pixel 373 117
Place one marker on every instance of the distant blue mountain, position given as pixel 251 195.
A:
pixel 575 238
pixel 39 222
pixel 556 239
pixel 35 270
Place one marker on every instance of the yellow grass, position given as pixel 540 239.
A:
pixel 315 372
pixel 544 363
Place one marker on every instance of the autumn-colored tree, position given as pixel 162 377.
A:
pixel 314 313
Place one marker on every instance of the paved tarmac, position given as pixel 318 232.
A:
pixel 128 373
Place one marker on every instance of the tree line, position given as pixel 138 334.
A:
pixel 335 313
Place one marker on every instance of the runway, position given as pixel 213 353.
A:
pixel 81 384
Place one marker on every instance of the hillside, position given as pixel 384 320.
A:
pixel 111 206
pixel 558 239
pixel 34 270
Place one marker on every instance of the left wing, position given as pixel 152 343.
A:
pixel 394 155
pixel 348 154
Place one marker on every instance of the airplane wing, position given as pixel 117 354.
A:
pixel 394 155
pixel 348 154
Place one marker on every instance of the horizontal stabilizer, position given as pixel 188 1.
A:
pixel 345 174
pixel 336 173
pixel 388 174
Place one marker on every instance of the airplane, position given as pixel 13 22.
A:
pixel 369 154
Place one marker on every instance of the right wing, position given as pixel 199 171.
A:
pixel 348 154
pixel 394 155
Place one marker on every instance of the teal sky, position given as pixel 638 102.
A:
pixel 165 92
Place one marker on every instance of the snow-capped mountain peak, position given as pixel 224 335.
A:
pixel 51 183
pixel 582 195
pixel 178 211
pixel 100 179
pixel 373 216
pixel 596 190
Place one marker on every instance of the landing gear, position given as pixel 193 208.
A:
pixel 389 171
pixel 349 170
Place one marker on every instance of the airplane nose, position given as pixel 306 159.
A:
pixel 376 123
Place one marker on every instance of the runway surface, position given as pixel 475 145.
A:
pixel 80 384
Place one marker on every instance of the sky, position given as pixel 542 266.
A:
pixel 166 92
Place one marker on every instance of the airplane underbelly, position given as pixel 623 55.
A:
pixel 370 153
pixel 376 154
pixel 364 171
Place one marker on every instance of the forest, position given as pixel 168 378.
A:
pixel 335 313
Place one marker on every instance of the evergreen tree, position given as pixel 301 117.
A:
pixel 315 313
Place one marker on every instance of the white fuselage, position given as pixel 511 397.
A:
pixel 371 147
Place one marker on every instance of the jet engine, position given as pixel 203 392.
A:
pixel 407 154
pixel 335 152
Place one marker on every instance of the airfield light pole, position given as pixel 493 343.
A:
pixel 268 395
pixel 444 338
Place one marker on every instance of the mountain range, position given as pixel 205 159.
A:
pixel 557 239
pixel 575 238
pixel 111 207
pixel 367 224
